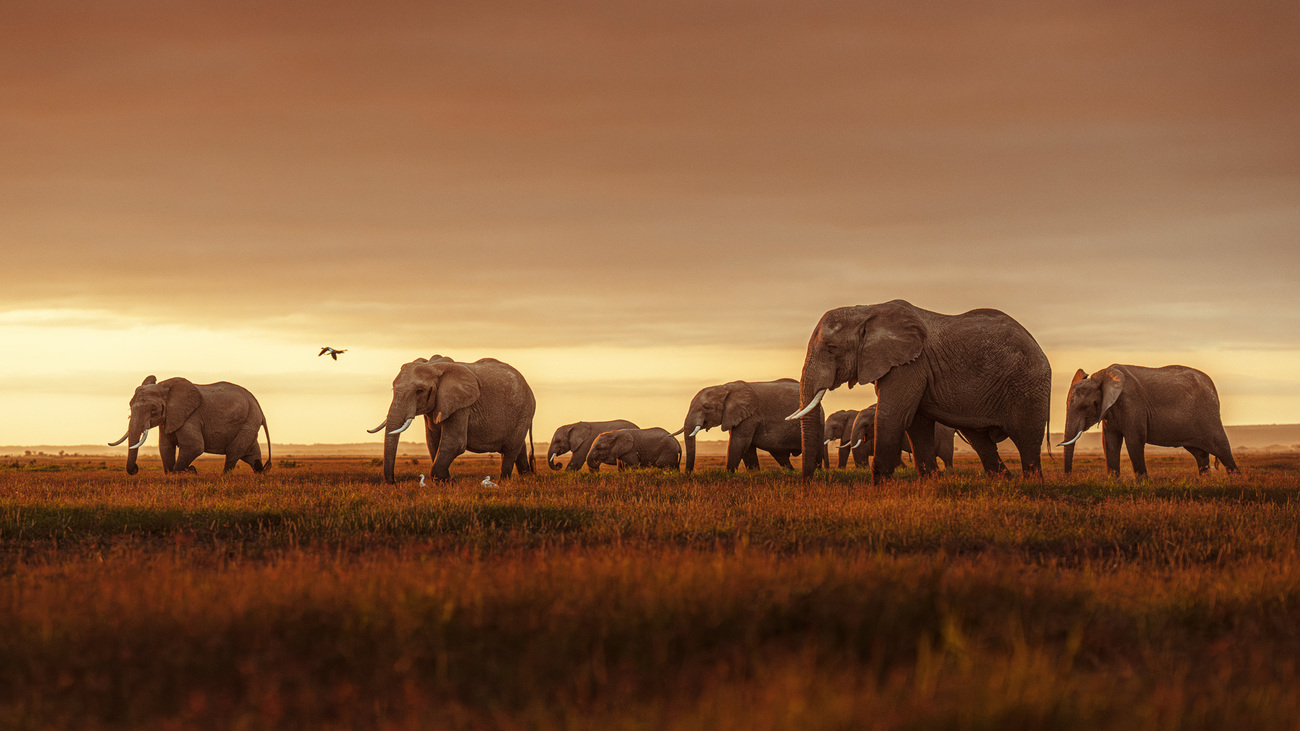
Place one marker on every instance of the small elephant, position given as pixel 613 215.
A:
pixel 630 448
pixel 863 443
pixel 216 418
pixel 754 413
pixel 577 438
pixel 980 372
pixel 839 426
pixel 1173 406
pixel 484 406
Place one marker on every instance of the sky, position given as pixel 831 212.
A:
pixel 630 201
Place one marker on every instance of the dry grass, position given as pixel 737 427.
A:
pixel 315 596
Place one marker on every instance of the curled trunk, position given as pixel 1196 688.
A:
pixel 550 461
pixel 134 431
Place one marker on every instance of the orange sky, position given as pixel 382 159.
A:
pixel 630 200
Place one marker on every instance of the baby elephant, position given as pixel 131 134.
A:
pixel 864 439
pixel 627 448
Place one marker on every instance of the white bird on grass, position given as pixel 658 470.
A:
pixel 421 480
pixel 333 352
pixel 487 481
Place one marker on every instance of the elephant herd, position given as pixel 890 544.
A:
pixel 979 376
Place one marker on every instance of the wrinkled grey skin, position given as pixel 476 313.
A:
pixel 839 428
pixel 980 372
pixel 577 438
pixel 1173 406
pixel 754 414
pixel 864 439
pixel 213 418
pixel 484 406
pixel 631 448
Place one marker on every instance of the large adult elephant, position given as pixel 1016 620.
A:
pixel 754 414
pixel 1173 406
pixel 577 438
pixel 839 426
pixel 863 436
pixel 216 418
pixel 630 448
pixel 980 372
pixel 484 406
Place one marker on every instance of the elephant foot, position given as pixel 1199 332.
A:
pixel 132 469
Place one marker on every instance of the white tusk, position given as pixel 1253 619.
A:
pixel 1072 441
pixel 381 426
pixel 695 431
pixel 827 442
pixel 811 405
pixel 142 438
pixel 855 444
pixel 123 439
pixel 403 427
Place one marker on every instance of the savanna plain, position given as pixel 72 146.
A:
pixel 315 596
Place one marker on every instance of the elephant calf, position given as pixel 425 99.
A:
pixel 839 425
pixel 754 414
pixel 1173 406
pixel 629 448
pixel 577 438
pixel 216 418
pixel 864 439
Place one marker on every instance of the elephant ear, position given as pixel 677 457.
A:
pixel 183 399
pixel 149 381
pixel 891 335
pixel 623 443
pixel 740 404
pixel 1112 384
pixel 457 388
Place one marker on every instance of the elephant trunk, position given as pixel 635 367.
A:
pixel 393 427
pixel 550 460
pixel 813 385
pixel 1074 428
pixel 137 431
pixel 690 454
pixel 1069 458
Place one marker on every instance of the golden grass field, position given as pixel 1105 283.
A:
pixel 314 596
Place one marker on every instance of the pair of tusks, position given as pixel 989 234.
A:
pixel 398 430
pixel 694 431
pixel 811 405
pixel 1072 441
pixel 842 444
pixel 137 445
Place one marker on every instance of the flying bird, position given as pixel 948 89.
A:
pixel 333 352
pixel 487 481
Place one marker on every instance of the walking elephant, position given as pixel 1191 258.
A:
pixel 1173 406
pixel 577 438
pixel 864 439
pixel 629 448
pixel 839 426
pixel 754 415
pixel 214 418
pixel 484 406
pixel 980 372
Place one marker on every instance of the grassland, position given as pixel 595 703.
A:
pixel 314 596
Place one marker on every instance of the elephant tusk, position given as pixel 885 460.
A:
pixel 855 444
pixel 1072 441
pixel 123 439
pixel 811 405
pixel 403 427
pixel 142 438
pixel 679 431
pixel 695 431
pixel 376 429
pixel 827 442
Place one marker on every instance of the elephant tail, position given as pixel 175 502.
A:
pixel 532 465
pixel 266 430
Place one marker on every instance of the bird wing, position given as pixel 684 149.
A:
pixel 323 351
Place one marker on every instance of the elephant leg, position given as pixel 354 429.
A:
pixel 862 453
pixel 231 461
pixel 451 444
pixel 1110 442
pixel 782 458
pixel 739 448
pixel 521 462
pixel 188 453
pixel 943 445
pixel 1030 449
pixel 1137 455
pixel 921 434
pixel 167 449
pixel 1202 459
pixel 580 452
pixel 432 436
pixel 987 450
pixel 508 459
pixel 1223 451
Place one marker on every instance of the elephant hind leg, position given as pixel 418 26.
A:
pixel 1202 459
pixel 921 435
pixel 782 458
pixel 1031 459
pixel 987 450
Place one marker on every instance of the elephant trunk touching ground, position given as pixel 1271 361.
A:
pixel 400 415
pixel 1075 425
pixel 694 423
pixel 137 431
pixel 817 378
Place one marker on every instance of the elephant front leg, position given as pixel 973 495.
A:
pixel 741 447
pixel 188 453
pixel 1111 440
pixel 921 434
pixel 432 437
pixel 1137 455
pixel 451 444
pixel 167 449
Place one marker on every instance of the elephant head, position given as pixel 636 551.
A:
pixel 167 404
pixel 839 425
pixel 436 388
pixel 725 406
pixel 608 448
pixel 561 441
pixel 1089 399
pixel 853 345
